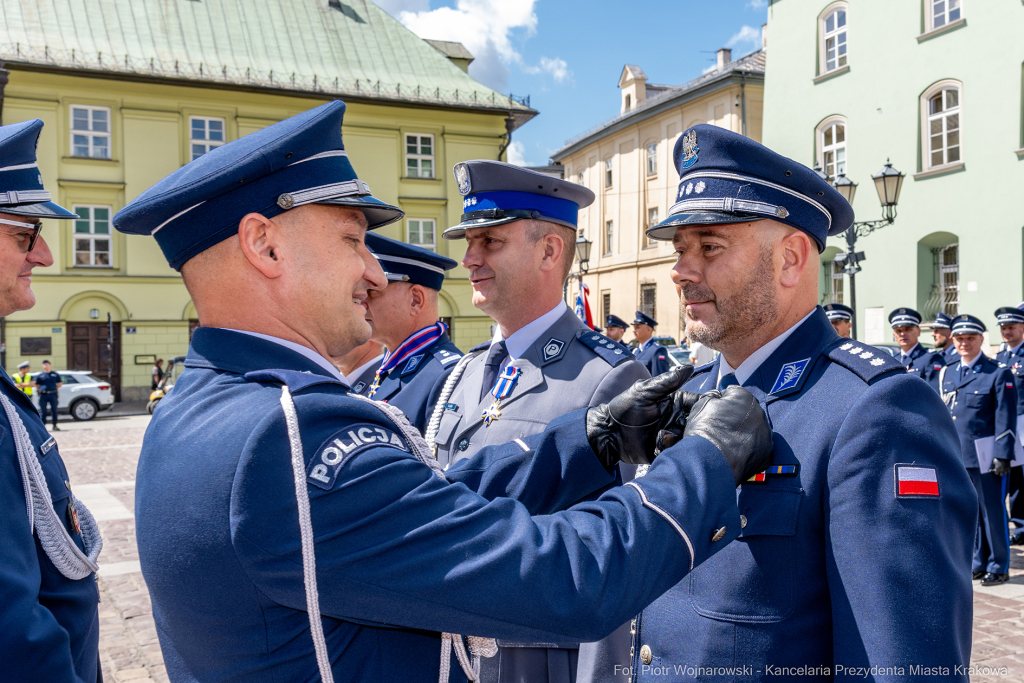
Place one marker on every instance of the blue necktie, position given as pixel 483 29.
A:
pixel 728 381
pixel 495 356
pixel 963 370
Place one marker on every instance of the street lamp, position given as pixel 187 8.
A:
pixel 583 251
pixel 888 183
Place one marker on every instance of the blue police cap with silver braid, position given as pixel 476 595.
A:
pixel 644 319
pixel 403 262
pixel 904 317
pixel 967 324
pixel 298 161
pixel 615 321
pixel 942 321
pixel 1009 315
pixel 838 312
pixel 21 185
pixel 725 177
pixel 495 193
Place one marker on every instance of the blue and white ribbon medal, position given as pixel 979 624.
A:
pixel 502 389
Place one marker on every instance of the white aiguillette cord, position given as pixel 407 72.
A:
pixel 480 647
pixel 42 518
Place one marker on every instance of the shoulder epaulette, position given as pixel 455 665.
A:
pixel 295 380
pixel 611 352
pixel 864 360
pixel 446 357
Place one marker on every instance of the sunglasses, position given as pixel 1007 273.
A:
pixel 26 241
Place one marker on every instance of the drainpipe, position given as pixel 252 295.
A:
pixel 3 84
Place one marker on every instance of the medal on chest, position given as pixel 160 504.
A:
pixel 375 385
pixel 502 389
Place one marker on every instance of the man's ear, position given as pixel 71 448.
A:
pixel 261 242
pixel 796 250
pixel 554 246
pixel 417 299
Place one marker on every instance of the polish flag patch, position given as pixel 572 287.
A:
pixel 913 481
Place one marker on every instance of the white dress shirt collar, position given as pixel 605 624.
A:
pixel 753 362
pixel 904 356
pixel 523 338
pixel 971 363
pixel 297 348
pixel 1016 349
pixel 355 374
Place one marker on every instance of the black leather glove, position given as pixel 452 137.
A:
pixel 1000 466
pixel 734 422
pixel 627 428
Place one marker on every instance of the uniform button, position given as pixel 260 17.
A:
pixel 645 654
pixel 954 418
pixel 743 522
pixel 719 535
pixel 464 444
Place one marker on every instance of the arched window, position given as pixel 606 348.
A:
pixel 940 113
pixel 831 145
pixel 833 31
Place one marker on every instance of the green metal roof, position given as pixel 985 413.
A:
pixel 336 47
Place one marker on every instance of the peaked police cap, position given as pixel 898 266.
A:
pixel 403 262
pixel 21 185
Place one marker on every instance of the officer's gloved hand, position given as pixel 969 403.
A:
pixel 627 428
pixel 734 421
pixel 1000 466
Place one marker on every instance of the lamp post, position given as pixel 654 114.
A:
pixel 583 256
pixel 888 183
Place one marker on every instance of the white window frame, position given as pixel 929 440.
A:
pixel 421 224
pixel 419 157
pixel 836 33
pixel 92 236
pixel 946 13
pixel 652 159
pixel 609 179
pixel 207 143
pixel 91 135
pixel 926 120
pixel 835 147
pixel 609 237
pixel 652 218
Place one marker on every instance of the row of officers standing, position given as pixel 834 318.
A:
pixel 985 397
pixel 571 517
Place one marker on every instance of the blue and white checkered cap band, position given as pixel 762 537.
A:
pixel 904 320
pixel 967 327
pixel 1010 317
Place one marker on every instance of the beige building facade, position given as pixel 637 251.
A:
pixel 628 163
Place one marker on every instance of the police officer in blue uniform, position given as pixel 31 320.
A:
pixel 906 328
pixel 944 352
pixel 866 460
pixel 47 383
pixel 841 317
pixel 1011 326
pixel 49 622
pixel 615 327
pixel 982 397
pixel 289 529
pixel 653 355
pixel 403 315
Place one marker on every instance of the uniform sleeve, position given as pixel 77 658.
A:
pixel 1006 413
pixel 618 379
pixel 435 394
pixel 898 567
pixel 397 545
pixel 33 645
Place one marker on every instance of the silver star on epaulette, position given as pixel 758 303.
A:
pixel 846 346
pixel 866 355
pixel 856 350
pixel 877 362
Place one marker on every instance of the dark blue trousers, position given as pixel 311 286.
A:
pixel 49 399
pixel 992 543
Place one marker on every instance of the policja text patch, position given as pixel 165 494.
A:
pixel 337 450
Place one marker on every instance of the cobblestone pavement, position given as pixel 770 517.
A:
pixel 101 457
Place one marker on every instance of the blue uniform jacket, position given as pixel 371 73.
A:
pixel 49 624
pixel 918 362
pixel 401 555
pixel 932 364
pixel 47 382
pixel 655 359
pixel 833 567
pixel 1015 363
pixel 415 385
pixel 985 404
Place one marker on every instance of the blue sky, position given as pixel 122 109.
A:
pixel 567 54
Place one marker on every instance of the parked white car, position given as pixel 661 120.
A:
pixel 81 394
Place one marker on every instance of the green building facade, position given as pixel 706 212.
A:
pixel 934 86
pixel 131 90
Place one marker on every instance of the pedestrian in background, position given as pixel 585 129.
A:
pixel 841 317
pixel 23 379
pixel 49 621
pixel 648 351
pixel 906 329
pixel 700 354
pixel 158 373
pixel 982 397
pixel 47 384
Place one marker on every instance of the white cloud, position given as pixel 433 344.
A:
pixel 747 34
pixel 758 4
pixel 517 153
pixel 486 28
